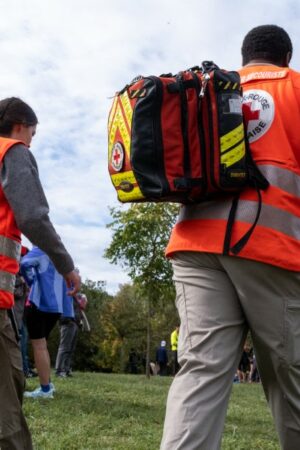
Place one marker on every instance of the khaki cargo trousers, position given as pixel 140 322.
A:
pixel 14 433
pixel 218 299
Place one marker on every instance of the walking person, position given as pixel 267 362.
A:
pixel 244 366
pixel 25 209
pixel 220 297
pixel 162 359
pixel 48 299
pixel 70 323
pixel 254 375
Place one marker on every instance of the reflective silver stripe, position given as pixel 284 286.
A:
pixel 10 248
pixel 282 178
pixel 7 281
pixel 270 216
pixel 206 210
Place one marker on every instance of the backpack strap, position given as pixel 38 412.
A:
pixel 259 182
pixel 240 244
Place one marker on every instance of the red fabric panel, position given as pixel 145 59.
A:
pixel 6 300
pixel 171 133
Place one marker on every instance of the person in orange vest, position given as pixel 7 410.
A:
pixel 221 297
pixel 23 209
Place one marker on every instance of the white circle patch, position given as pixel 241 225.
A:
pixel 117 156
pixel 258 111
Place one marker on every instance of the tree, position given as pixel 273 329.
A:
pixel 140 236
pixel 123 323
pixel 89 354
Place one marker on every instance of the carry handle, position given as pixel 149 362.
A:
pixel 208 66
pixel 125 88
pixel 166 75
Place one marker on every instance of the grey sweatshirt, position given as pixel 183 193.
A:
pixel 23 190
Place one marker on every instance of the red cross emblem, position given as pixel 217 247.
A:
pixel 258 112
pixel 117 157
pixel 250 114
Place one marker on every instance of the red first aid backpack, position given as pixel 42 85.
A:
pixel 180 138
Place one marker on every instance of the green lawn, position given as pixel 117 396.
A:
pixel 125 412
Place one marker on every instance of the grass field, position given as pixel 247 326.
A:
pixel 125 412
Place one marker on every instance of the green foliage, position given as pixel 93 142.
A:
pixel 89 355
pixel 140 236
pixel 123 323
pixel 164 318
pixel 118 324
pixel 126 412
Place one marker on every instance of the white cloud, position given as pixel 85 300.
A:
pixel 67 58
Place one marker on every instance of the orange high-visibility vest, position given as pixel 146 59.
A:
pixel 271 106
pixel 10 240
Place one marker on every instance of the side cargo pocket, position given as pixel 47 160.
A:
pixel 292 332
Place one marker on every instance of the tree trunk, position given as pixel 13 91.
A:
pixel 122 357
pixel 148 336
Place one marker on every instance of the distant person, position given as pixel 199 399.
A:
pixel 48 300
pixel 133 361
pixel 244 365
pixel 162 359
pixel 174 348
pixel 24 206
pixel 69 325
pixel 254 374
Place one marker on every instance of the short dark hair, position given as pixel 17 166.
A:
pixel 267 42
pixel 14 111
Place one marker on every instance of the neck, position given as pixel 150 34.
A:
pixel 263 62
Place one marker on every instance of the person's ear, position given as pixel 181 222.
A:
pixel 16 127
pixel 288 58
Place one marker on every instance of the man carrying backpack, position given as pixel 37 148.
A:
pixel 220 297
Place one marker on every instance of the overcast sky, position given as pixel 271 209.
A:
pixel 67 58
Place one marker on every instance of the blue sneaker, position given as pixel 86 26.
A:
pixel 38 393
